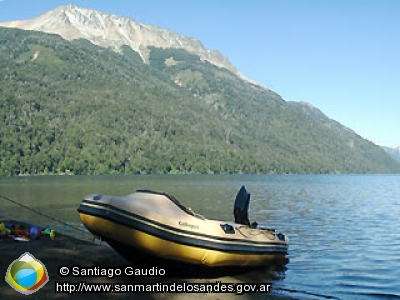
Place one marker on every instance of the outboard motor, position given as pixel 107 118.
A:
pixel 241 207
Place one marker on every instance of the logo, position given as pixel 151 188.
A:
pixel 27 274
pixel 186 224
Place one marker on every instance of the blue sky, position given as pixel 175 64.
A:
pixel 341 56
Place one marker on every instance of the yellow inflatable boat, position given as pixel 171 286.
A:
pixel 151 225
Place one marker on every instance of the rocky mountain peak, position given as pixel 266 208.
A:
pixel 108 30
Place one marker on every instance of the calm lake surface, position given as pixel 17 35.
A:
pixel 344 230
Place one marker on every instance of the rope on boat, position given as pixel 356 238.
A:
pixel 44 215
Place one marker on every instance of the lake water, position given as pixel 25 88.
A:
pixel 344 230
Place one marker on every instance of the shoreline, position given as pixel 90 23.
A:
pixel 70 251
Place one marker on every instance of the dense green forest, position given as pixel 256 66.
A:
pixel 76 108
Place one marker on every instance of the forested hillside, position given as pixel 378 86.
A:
pixel 76 108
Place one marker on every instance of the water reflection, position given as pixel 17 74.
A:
pixel 344 229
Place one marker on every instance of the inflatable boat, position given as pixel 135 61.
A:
pixel 155 227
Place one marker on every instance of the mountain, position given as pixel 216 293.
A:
pixel 394 152
pixel 108 30
pixel 70 106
